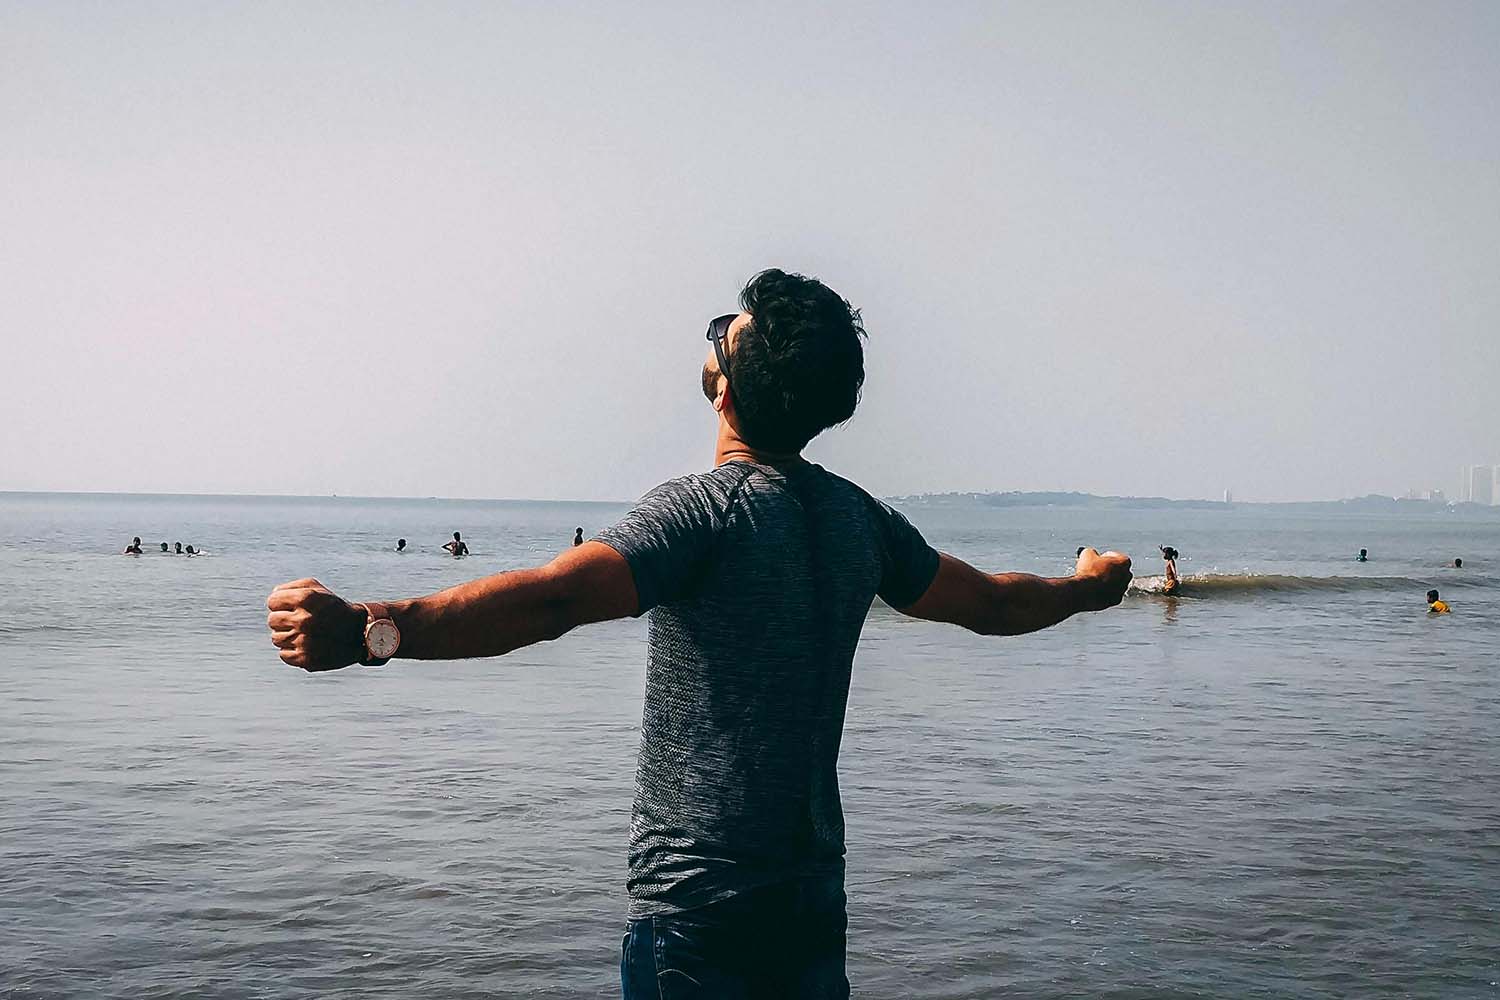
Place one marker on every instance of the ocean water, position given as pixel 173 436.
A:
pixel 1284 784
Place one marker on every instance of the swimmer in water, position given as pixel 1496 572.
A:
pixel 179 549
pixel 1458 564
pixel 191 552
pixel 457 546
pixel 1435 605
pixel 1173 584
pixel 577 536
pixel 1364 556
pixel 134 548
pixel 164 550
pixel 400 545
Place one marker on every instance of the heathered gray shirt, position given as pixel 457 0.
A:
pixel 758 580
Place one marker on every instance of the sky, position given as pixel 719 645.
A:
pixel 470 250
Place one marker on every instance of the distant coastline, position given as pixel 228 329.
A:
pixel 1372 503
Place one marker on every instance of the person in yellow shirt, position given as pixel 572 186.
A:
pixel 1436 606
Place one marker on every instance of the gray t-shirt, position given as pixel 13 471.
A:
pixel 758 580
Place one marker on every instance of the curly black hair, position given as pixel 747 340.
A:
pixel 798 366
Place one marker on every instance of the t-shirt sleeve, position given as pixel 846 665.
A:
pixel 909 563
pixel 666 539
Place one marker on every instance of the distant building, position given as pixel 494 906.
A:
pixel 1481 484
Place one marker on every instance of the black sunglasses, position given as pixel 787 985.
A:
pixel 717 331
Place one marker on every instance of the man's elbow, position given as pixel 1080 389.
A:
pixel 558 605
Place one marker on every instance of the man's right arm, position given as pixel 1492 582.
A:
pixel 1017 603
pixel 316 629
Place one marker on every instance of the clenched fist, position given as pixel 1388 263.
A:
pixel 314 628
pixel 1107 576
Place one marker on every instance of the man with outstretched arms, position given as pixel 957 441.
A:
pixel 757 576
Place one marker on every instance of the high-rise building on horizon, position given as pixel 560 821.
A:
pixel 1480 484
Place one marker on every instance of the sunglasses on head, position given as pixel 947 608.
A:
pixel 717 331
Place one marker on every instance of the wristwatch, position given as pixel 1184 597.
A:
pixel 382 637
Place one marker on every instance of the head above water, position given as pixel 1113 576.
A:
pixel 1458 564
pixel 455 536
pixel 400 543
pixel 1364 552
pixel 179 546
pixel 1432 595
pixel 164 546
pixel 795 361
pixel 136 540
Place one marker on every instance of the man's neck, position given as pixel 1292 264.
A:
pixel 731 448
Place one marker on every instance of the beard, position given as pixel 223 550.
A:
pixel 710 384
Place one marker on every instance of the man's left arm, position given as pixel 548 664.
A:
pixel 1017 603
pixel 316 629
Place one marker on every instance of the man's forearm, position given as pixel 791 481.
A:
pixel 484 617
pixel 488 617
pixel 1024 603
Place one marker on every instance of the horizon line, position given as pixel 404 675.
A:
pixel 890 496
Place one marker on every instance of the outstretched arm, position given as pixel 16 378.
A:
pixel 316 629
pixel 1017 603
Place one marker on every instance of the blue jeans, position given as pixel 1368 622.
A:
pixel 782 941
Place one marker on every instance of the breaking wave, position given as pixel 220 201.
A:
pixel 1247 584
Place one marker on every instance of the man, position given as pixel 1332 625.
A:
pixel 1435 605
pixel 758 576
pixel 458 547
pixel 577 536
pixel 400 545
pixel 134 548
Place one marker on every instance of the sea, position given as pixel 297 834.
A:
pixel 1284 783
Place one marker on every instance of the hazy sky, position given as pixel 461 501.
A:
pixel 471 249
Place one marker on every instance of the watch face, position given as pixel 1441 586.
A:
pixel 381 638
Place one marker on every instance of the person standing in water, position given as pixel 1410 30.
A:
pixel 400 545
pixel 1435 605
pixel 1364 556
pixel 1173 584
pixel 457 547
pixel 577 536
pixel 134 548
pixel 757 575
